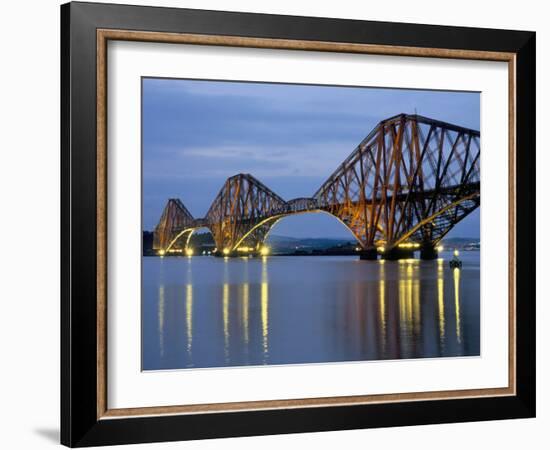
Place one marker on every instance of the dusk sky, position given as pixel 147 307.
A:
pixel 291 137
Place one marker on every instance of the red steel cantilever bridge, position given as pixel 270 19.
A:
pixel 403 188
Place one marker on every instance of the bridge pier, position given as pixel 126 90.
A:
pixel 368 255
pixel 428 252
pixel 252 252
pixel 396 253
pixel 227 254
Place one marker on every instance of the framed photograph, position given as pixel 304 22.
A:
pixel 276 224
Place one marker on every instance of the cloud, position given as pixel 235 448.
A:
pixel 317 159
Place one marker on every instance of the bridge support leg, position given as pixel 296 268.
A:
pixel 428 252
pixel 396 253
pixel 368 255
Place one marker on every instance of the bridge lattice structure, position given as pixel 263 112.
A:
pixel 408 183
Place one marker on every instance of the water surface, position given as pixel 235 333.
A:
pixel 218 312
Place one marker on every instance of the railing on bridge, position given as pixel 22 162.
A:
pixel 302 204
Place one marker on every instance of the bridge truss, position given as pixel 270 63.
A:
pixel 406 184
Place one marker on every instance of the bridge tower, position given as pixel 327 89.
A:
pixel 406 185
pixel 174 223
pixel 242 214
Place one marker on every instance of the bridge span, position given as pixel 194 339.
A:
pixel 403 188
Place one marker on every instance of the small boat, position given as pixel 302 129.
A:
pixel 455 263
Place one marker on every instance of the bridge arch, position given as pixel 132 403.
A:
pixel 186 232
pixel 275 219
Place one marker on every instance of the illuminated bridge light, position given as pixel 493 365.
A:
pixel 189 252
pixel 264 251
pixel 409 245
pixel 226 251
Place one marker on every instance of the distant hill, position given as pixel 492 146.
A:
pixel 287 244
pixel 283 244
pixel 275 239
pixel 462 243
pixel 462 240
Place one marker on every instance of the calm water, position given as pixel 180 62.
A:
pixel 214 312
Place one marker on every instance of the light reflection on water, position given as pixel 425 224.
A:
pixel 219 312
